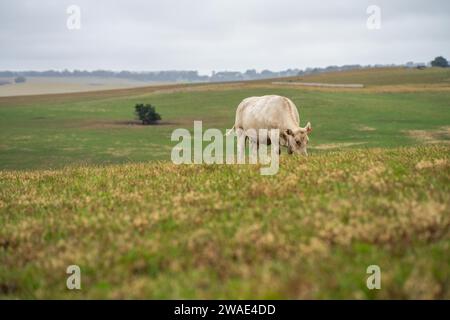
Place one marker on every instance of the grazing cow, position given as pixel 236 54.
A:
pixel 270 112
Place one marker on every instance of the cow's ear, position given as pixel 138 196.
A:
pixel 308 127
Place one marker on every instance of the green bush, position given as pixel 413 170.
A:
pixel 146 113
pixel 439 62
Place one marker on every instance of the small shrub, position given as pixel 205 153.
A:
pixel 146 113
pixel 20 79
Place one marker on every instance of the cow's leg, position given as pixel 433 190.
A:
pixel 263 146
pixel 253 143
pixel 253 151
pixel 240 145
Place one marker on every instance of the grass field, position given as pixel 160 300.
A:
pixel 79 185
pixel 94 128
pixel 383 77
pixel 158 230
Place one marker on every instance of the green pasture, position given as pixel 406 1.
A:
pixel 48 134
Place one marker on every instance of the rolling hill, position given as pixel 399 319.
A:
pixel 82 184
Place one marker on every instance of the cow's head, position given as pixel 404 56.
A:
pixel 296 140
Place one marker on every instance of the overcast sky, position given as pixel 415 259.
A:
pixel 208 35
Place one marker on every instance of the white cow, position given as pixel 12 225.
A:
pixel 270 112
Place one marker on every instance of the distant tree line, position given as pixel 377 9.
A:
pixel 161 76
pixel 178 76
pixel 193 76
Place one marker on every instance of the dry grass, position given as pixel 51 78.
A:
pixel 441 135
pixel 157 230
pixel 328 146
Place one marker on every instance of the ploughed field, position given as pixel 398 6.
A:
pixel 82 184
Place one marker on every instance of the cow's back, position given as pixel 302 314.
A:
pixel 266 112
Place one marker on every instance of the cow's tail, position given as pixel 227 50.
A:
pixel 229 131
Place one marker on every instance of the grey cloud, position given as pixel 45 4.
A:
pixel 218 34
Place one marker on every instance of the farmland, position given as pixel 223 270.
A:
pixel 82 183
pixel 52 131
pixel 46 85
